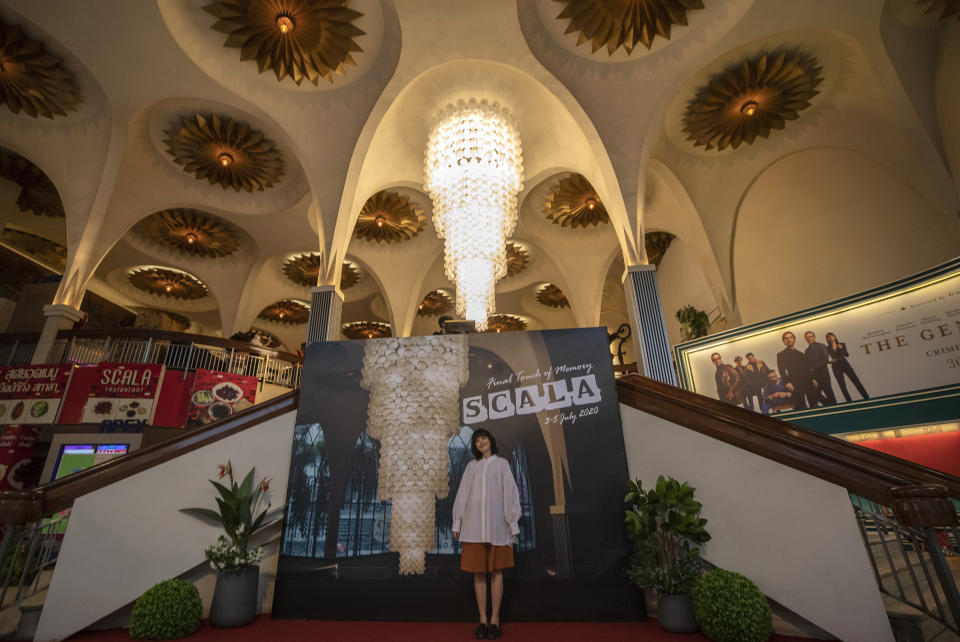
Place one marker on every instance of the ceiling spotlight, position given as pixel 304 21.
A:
pixel 226 159
pixel 591 203
pixel 168 287
pixel 284 23
pixel 191 238
pixel 281 314
pixel 380 220
pixel 749 108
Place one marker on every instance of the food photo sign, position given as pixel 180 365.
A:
pixel 126 391
pixel 897 338
pixel 32 394
pixel 217 395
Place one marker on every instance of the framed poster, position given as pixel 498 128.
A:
pixel 894 339
pixel 217 395
pixel 123 391
pixel 32 394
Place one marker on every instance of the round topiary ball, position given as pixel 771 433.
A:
pixel 170 609
pixel 730 608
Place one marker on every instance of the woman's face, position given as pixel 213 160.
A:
pixel 483 445
pixel 831 338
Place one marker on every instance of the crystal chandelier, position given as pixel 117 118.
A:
pixel 474 169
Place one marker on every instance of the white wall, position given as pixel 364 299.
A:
pixel 826 223
pixel 124 538
pixel 681 283
pixel 794 535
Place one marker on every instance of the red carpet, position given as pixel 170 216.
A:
pixel 264 629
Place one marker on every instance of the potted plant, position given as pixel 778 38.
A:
pixel 237 565
pixel 665 526
pixel 694 323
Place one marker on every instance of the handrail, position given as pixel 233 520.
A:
pixel 156 335
pixel 868 473
pixel 17 507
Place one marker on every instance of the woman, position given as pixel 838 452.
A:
pixel 486 513
pixel 837 353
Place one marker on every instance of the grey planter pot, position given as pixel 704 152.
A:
pixel 675 613
pixel 235 597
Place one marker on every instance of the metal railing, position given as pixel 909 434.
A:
pixel 189 354
pixel 911 564
pixel 28 553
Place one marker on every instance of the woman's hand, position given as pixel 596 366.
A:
pixel 456 535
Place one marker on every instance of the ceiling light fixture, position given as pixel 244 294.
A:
pixel 380 220
pixel 285 23
pixel 168 287
pixel 226 159
pixel 473 169
pixel 749 108
pixel 191 238
pixel 591 203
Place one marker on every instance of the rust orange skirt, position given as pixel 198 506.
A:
pixel 480 558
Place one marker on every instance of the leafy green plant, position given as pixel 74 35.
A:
pixel 730 608
pixel 665 526
pixel 170 609
pixel 694 323
pixel 237 514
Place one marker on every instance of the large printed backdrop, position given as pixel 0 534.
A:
pixel 381 441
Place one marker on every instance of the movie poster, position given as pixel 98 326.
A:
pixel 899 339
pixel 123 391
pixel 382 439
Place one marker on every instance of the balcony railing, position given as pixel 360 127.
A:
pixel 175 350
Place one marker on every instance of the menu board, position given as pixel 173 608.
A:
pixel 217 395
pixel 123 391
pixel 17 469
pixel 32 394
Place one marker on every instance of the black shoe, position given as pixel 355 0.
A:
pixel 481 632
pixel 493 632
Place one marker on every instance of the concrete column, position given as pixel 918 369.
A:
pixel 326 304
pixel 649 328
pixel 57 317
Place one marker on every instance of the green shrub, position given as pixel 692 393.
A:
pixel 170 609
pixel 730 608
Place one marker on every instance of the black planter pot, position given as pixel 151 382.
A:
pixel 675 613
pixel 235 597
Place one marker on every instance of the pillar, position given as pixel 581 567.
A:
pixel 57 317
pixel 649 327
pixel 326 304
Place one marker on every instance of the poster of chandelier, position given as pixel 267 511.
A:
pixel 381 442
pixel 900 337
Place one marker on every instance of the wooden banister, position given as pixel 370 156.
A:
pixel 19 507
pixel 868 473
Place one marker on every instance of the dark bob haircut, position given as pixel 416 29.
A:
pixel 482 432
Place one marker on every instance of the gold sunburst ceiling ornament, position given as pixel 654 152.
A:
pixel 751 98
pixel 656 244
pixel 517 258
pixel 304 269
pixel 44 250
pixel 189 231
pixel 945 8
pixel 552 296
pixel 31 79
pixel 574 203
pixel 435 303
pixel 366 330
pixel 288 311
pixel 37 192
pixel 225 151
pixel 294 38
pixel 168 282
pixel 388 217
pixel 505 323
pixel 624 23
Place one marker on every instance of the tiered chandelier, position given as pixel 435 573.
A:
pixel 474 170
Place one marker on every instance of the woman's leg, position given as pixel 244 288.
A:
pixel 841 380
pixel 496 596
pixel 856 381
pixel 480 589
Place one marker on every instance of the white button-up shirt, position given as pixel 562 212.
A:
pixel 487 507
